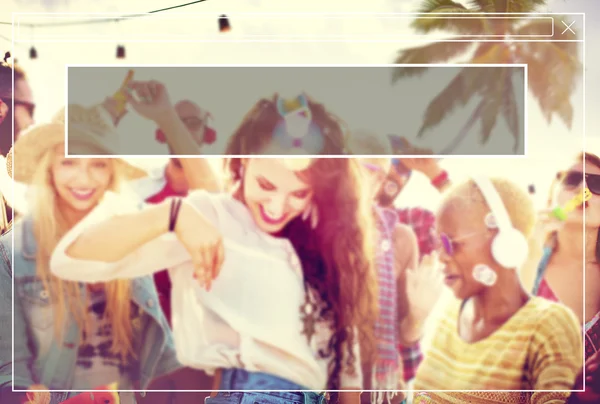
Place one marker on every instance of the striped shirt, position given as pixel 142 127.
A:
pixel 538 348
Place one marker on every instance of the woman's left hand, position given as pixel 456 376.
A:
pixel 151 100
pixel 424 286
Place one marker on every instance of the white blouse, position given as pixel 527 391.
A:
pixel 249 319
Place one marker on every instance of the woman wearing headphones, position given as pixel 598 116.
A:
pixel 495 336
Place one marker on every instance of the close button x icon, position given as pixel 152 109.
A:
pixel 568 27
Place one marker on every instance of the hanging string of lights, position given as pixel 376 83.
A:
pixel 223 25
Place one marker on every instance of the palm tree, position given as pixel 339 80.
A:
pixel 553 67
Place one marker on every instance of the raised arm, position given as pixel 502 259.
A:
pixel 106 246
pixel 154 104
pixel 198 171
pixel 406 257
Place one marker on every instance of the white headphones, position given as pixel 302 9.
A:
pixel 509 247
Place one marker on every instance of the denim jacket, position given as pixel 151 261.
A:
pixel 50 362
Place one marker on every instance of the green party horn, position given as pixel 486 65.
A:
pixel 561 213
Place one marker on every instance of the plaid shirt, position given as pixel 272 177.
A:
pixel 422 222
pixel 411 359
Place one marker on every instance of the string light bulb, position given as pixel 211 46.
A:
pixel 224 25
pixel 120 52
pixel 32 53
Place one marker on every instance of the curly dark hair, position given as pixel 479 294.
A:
pixel 337 256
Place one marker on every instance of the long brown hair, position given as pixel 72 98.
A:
pixel 337 256
pixel 586 157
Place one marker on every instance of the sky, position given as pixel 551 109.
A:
pixel 550 147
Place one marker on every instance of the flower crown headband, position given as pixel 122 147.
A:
pixel 296 133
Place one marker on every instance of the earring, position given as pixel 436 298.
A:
pixel 390 188
pixel 311 213
pixel 485 275
pixel 314 216
pixel 307 212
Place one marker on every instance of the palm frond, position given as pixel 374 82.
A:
pixel 510 110
pixel 552 78
pixel 440 6
pixel 492 99
pixel 490 53
pixel 463 24
pixel 489 116
pixel 468 82
pixel 518 6
pixel 542 27
pixel 436 52
pixel 484 6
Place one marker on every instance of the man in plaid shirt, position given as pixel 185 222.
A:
pixel 422 222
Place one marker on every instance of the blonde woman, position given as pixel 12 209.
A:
pixel 495 336
pixel 68 335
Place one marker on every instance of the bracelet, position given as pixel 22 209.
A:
pixel 174 213
pixel 440 179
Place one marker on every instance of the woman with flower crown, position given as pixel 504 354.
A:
pixel 273 282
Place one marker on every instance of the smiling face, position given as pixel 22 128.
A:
pixel 572 185
pixel 80 183
pixel 273 193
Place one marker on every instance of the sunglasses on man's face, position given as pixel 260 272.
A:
pixel 572 179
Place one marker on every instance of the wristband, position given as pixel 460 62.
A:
pixel 440 179
pixel 174 213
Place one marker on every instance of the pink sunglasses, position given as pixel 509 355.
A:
pixel 372 167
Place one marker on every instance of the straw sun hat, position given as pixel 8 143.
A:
pixel 88 132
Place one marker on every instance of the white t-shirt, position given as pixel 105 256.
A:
pixel 251 317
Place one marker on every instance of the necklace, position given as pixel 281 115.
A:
pixel 308 314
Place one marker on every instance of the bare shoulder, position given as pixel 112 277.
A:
pixel 406 249
pixel 404 234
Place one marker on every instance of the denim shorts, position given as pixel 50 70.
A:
pixel 240 379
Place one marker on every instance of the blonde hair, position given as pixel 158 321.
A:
pixel 518 203
pixel 50 226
